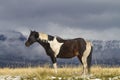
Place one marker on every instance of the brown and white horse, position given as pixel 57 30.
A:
pixel 57 47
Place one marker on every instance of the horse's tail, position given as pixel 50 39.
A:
pixel 89 59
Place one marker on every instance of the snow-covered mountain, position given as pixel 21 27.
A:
pixel 14 52
pixel 106 52
pixel 103 45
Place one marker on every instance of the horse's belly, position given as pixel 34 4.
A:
pixel 68 51
pixel 66 55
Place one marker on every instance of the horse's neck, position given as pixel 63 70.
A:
pixel 44 38
pixel 50 38
pixel 43 44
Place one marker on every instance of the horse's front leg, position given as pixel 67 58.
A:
pixel 54 61
pixel 55 67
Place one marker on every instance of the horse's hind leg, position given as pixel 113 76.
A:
pixel 85 65
pixel 89 59
pixel 85 58
pixel 83 61
pixel 80 59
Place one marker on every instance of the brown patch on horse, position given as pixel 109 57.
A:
pixel 76 53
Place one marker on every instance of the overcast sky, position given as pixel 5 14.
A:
pixel 90 19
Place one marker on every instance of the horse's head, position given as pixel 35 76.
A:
pixel 33 37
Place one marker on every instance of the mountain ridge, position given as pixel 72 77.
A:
pixel 14 52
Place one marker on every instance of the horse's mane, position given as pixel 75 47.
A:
pixel 60 39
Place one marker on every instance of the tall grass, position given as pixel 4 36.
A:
pixel 46 73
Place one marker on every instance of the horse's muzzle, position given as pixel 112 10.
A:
pixel 27 44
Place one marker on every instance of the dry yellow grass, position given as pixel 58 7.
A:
pixel 42 73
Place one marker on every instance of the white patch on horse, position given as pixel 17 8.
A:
pixel 55 45
pixel 85 55
pixel 43 36
pixel 55 67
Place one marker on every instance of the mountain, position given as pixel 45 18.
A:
pixel 106 52
pixel 13 52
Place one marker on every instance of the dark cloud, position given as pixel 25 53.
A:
pixel 79 14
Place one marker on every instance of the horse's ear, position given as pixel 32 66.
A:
pixel 36 35
pixel 34 31
pixel 31 30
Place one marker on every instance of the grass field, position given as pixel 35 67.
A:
pixel 66 73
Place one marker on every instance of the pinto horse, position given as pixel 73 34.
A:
pixel 57 47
